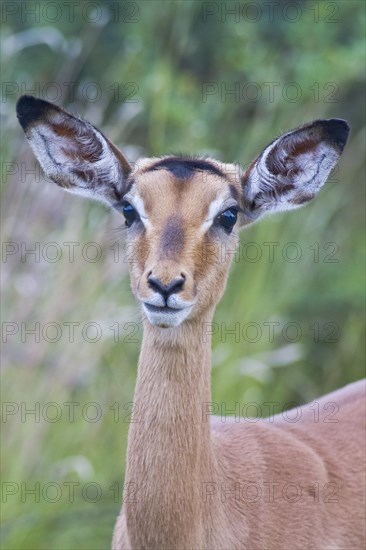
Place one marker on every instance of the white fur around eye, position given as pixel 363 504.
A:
pixel 137 202
pixel 222 201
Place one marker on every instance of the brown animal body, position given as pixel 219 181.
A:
pixel 194 481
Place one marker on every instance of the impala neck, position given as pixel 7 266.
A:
pixel 169 446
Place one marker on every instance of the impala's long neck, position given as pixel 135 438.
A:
pixel 169 447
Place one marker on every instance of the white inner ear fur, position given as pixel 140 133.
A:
pixel 312 169
pixel 52 151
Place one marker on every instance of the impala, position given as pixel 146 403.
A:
pixel 201 483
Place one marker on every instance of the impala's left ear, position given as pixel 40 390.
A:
pixel 293 168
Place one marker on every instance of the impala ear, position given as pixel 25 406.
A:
pixel 74 154
pixel 293 168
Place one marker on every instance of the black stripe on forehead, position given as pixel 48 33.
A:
pixel 185 168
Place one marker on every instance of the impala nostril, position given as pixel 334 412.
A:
pixel 166 289
pixel 177 284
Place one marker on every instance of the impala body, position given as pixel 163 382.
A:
pixel 194 481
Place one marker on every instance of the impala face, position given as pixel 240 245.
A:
pixel 180 212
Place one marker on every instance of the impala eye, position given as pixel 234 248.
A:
pixel 129 213
pixel 227 219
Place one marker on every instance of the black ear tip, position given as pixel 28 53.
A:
pixel 30 108
pixel 337 131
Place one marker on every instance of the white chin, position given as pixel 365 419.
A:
pixel 166 319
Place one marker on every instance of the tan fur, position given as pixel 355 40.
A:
pixel 201 257
pixel 194 481
pixel 176 459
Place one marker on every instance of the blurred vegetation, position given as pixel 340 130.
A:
pixel 139 71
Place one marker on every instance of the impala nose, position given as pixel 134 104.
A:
pixel 166 290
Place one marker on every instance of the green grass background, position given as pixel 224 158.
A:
pixel 160 54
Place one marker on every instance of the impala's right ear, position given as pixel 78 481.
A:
pixel 74 154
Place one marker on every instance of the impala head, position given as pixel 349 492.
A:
pixel 181 212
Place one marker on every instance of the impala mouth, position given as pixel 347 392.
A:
pixel 161 309
pixel 165 316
